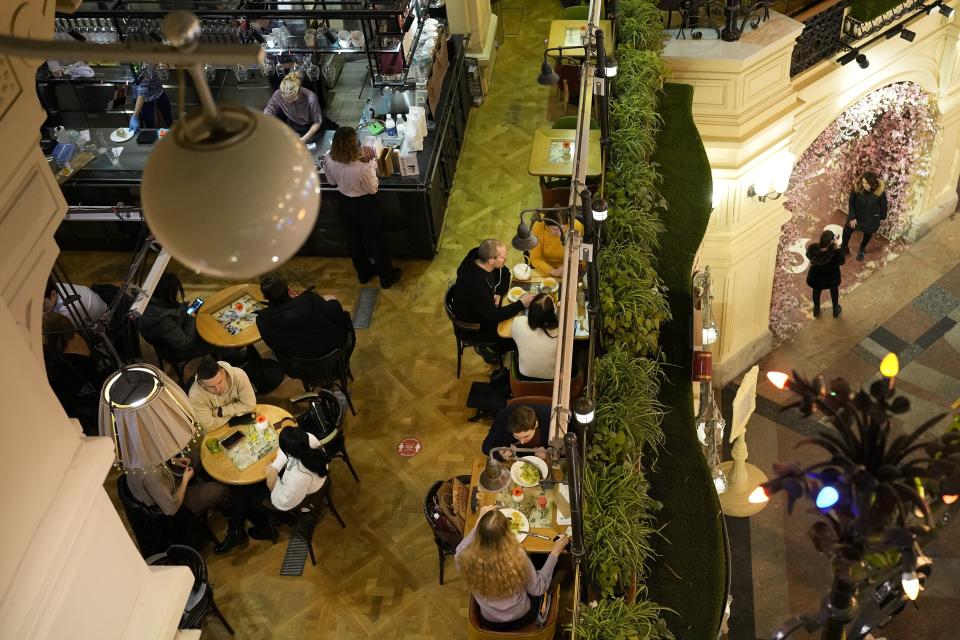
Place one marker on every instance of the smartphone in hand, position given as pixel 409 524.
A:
pixel 194 306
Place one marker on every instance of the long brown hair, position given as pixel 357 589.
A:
pixel 345 147
pixel 494 565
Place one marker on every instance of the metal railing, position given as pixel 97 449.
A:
pixel 822 34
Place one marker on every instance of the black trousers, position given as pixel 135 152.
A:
pixel 148 114
pixel 834 297
pixel 246 504
pixel 847 232
pixel 360 218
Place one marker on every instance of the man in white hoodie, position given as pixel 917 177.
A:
pixel 220 392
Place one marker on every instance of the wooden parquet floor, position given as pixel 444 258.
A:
pixel 378 577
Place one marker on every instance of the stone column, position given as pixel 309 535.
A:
pixel 743 106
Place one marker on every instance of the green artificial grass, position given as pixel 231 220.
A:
pixel 864 10
pixel 690 574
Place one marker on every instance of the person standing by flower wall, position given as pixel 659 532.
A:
pixel 867 208
pixel 825 260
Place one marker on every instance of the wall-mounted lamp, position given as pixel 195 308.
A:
pixel 945 11
pixel 773 178
pixel 600 209
pixel 854 54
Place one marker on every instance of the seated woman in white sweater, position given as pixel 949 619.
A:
pixel 536 337
pixel 303 466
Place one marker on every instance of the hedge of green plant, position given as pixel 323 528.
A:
pixel 622 504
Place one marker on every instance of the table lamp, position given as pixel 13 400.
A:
pixel 494 477
pixel 148 416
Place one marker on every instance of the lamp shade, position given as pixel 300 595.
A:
pixel 232 200
pixel 547 75
pixel 494 477
pixel 148 416
pixel 524 240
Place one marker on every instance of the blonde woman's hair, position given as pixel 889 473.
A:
pixel 494 565
pixel 290 85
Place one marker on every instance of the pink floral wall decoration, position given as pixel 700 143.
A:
pixel 889 131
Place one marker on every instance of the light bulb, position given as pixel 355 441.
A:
pixel 890 365
pixel 949 498
pixel 911 584
pixel 600 209
pixel 702 432
pixel 719 481
pixel 779 379
pixel 710 334
pixel 827 497
pixel 758 496
pixel 234 199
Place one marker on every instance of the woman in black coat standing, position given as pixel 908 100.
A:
pixel 825 260
pixel 867 207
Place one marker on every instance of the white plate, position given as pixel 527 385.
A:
pixel 526 523
pixel 535 461
pixel 116 136
pixel 513 298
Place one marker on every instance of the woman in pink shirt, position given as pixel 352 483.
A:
pixel 354 175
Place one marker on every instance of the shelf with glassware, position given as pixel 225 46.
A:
pixel 414 206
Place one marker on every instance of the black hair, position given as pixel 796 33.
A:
pixel 169 290
pixel 295 442
pixel 274 288
pixel 542 314
pixel 209 368
pixel 50 288
pixel 57 332
pixel 872 179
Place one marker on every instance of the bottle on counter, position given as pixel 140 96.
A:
pixel 401 124
pixel 390 125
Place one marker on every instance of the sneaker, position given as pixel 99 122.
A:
pixel 263 533
pixel 836 311
pixel 860 255
pixel 365 278
pixel 393 278
pixel 233 539
pixel 816 312
pixel 489 354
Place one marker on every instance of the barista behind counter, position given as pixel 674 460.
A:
pixel 299 108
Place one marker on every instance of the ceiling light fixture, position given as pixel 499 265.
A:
pixel 848 57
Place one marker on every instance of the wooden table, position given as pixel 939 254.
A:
pixel 221 468
pixel 558 33
pixel 540 164
pixel 210 328
pixel 530 543
pixel 504 327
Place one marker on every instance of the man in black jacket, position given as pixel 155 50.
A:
pixel 308 326
pixel 482 281
pixel 523 425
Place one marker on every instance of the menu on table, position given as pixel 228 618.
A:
pixel 254 446
pixel 238 315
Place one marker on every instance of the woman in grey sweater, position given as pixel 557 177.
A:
pixel 500 575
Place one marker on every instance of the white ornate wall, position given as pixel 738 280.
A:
pixel 750 114
pixel 68 569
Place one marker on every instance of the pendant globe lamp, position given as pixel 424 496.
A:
pixel 231 192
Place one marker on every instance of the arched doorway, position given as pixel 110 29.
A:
pixel 891 132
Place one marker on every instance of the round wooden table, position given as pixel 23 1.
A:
pixel 222 469
pixel 215 333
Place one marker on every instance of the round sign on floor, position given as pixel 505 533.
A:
pixel 408 447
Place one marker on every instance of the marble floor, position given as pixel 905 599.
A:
pixel 911 307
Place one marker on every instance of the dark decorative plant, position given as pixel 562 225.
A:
pixel 875 491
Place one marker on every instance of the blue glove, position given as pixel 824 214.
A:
pixel 134 124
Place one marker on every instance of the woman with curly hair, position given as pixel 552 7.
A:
pixel 500 575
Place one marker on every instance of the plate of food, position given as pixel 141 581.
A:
pixel 519 524
pixel 549 285
pixel 528 471
pixel 515 294
pixel 121 135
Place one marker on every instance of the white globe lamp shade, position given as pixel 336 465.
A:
pixel 232 200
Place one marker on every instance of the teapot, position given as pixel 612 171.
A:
pixel 521 270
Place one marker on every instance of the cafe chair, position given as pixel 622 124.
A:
pixel 551 196
pixel 476 630
pixel 323 372
pixel 467 333
pixel 578 12
pixel 445 534
pixel 308 512
pixel 154 531
pixel 200 602
pixel 570 122
pixel 164 358
pixel 332 440
pixel 521 385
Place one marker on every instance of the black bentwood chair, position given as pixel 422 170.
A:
pixel 200 603
pixel 467 333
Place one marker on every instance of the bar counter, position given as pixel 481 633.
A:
pixel 414 206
